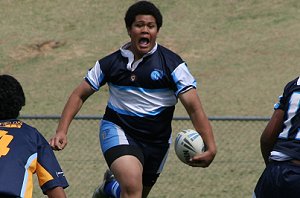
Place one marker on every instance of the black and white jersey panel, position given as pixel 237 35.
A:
pixel 288 144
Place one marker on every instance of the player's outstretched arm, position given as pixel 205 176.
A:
pixel 193 106
pixel 270 134
pixel 73 105
pixel 57 192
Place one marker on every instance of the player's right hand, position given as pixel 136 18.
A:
pixel 58 141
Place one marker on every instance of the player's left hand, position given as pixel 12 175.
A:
pixel 202 160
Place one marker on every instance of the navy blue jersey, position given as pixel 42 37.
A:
pixel 143 94
pixel 23 152
pixel 288 142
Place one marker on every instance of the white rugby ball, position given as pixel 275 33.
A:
pixel 188 143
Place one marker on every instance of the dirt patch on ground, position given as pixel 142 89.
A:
pixel 46 46
pixel 36 49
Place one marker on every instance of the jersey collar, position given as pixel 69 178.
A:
pixel 131 65
pixel 127 53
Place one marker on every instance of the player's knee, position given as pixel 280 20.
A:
pixel 132 185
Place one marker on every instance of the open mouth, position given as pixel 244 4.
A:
pixel 144 41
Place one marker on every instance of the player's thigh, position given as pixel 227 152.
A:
pixel 122 153
pixel 115 143
pixel 128 171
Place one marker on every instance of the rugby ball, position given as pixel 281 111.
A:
pixel 188 143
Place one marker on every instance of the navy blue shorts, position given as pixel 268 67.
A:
pixel 279 179
pixel 116 143
pixel 7 196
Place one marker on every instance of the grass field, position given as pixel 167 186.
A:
pixel 242 52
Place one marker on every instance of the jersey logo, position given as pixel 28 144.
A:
pixel 156 74
pixel 11 124
pixel 4 142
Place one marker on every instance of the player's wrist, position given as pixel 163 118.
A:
pixel 61 132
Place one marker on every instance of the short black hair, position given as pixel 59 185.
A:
pixel 12 97
pixel 143 8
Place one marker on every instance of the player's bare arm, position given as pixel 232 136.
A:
pixel 193 106
pixel 56 192
pixel 73 105
pixel 270 134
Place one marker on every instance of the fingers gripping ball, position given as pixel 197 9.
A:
pixel 188 143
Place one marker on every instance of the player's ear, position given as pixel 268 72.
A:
pixel 128 31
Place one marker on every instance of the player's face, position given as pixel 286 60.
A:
pixel 143 33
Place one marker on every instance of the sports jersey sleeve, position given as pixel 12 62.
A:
pixel 284 98
pixel 95 77
pixel 280 103
pixel 183 79
pixel 48 170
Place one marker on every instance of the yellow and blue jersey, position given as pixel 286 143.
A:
pixel 24 152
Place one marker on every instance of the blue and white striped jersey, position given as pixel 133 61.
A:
pixel 143 94
pixel 24 152
pixel 288 143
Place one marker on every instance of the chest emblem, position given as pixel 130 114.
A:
pixel 156 75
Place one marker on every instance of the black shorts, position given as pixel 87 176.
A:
pixel 151 156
